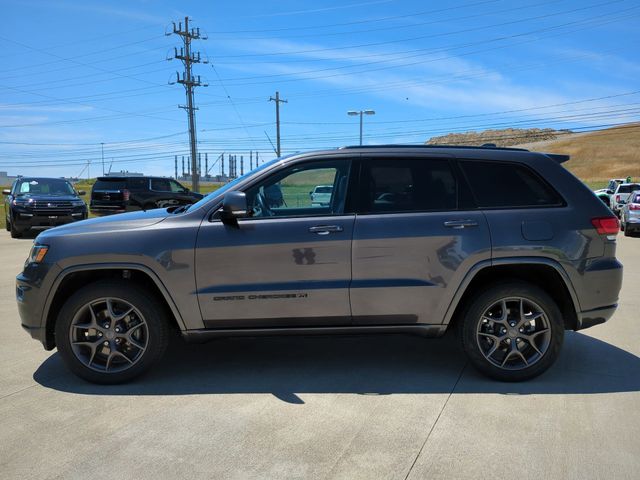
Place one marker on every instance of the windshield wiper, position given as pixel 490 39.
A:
pixel 181 209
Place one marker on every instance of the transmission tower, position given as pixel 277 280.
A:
pixel 189 81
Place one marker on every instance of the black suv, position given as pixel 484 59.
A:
pixel 41 202
pixel 505 244
pixel 121 194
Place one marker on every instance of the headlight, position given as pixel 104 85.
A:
pixel 37 253
pixel 77 203
pixel 22 202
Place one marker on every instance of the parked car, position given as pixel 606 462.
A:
pixel 414 239
pixel 321 195
pixel 611 186
pixel 630 215
pixel 621 195
pixel 38 202
pixel 122 194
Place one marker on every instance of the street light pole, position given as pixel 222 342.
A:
pixel 102 149
pixel 361 113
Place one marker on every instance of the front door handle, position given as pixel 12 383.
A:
pixel 325 229
pixel 460 223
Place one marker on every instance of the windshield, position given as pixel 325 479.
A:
pixel 44 186
pixel 229 186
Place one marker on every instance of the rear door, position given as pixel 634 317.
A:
pixel 414 240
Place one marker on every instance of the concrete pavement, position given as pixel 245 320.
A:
pixel 370 407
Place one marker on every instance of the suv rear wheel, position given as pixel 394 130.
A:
pixel 109 332
pixel 512 331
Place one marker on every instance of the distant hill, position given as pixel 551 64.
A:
pixel 502 138
pixel 598 156
pixel 595 156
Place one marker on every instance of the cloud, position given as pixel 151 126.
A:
pixel 104 10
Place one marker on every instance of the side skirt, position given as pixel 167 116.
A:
pixel 204 335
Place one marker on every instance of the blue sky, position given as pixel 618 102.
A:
pixel 78 74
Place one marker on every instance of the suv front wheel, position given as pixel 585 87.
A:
pixel 109 332
pixel 512 331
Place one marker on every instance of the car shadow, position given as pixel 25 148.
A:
pixel 367 364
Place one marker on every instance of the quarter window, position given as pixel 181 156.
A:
pixel 505 185
pixel 406 185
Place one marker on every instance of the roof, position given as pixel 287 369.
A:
pixel 483 149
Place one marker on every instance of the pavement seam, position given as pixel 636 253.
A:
pixel 17 391
pixel 436 422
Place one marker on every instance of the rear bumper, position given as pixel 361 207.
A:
pixel 595 317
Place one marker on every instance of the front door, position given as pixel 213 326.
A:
pixel 414 240
pixel 289 264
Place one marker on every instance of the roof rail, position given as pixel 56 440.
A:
pixel 470 147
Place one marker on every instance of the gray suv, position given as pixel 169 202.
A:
pixel 503 244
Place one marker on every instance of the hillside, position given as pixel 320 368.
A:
pixel 595 156
pixel 598 156
pixel 502 138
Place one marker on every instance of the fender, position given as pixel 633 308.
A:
pixel 478 267
pixel 111 266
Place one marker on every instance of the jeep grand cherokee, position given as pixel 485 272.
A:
pixel 504 244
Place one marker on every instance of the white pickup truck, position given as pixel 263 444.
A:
pixel 621 196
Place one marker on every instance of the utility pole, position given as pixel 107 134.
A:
pixel 175 164
pixel 278 101
pixel 189 81
pixel 102 150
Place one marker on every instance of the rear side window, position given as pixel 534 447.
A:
pixel 138 183
pixel 505 185
pixel 110 184
pixel 628 188
pixel 160 185
pixel 407 185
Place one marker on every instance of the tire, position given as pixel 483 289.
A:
pixel 627 233
pixel 511 347
pixel 15 233
pixel 7 224
pixel 111 349
pixel 622 227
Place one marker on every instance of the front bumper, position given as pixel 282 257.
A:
pixel 32 288
pixel 23 219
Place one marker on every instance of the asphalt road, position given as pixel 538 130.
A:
pixel 370 407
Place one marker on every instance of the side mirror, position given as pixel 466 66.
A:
pixel 234 206
pixel 6 191
pixel 81 192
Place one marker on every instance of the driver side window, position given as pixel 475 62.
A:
pixel 301 190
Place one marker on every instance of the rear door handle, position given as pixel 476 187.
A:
pixel 460 223
pixel 325 229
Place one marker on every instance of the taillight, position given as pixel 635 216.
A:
pixel 617 198
pixel 634 206
pixel 606 225
pixel 125 195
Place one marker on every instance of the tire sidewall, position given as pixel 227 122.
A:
pixel 483 300
pixel 157 329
